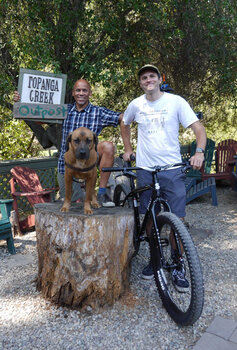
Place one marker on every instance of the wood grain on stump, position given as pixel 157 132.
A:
pixel 83 260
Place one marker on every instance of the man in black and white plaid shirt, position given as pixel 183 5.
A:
pixel 95 118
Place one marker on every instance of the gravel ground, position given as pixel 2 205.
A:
pixel 137 320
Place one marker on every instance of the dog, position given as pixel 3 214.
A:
pixel 81 159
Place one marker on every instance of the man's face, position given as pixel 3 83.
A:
pixel 81 93
pixel 149 81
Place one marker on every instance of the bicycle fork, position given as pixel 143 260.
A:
pixel 173 241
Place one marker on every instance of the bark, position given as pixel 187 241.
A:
pixel 83 260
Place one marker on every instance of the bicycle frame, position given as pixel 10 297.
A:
pixel 151 211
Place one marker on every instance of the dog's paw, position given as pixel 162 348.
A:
pixel 87 209
pixel 64 209
pixel 95 204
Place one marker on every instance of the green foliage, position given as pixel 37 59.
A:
pixel 193 42
pixel 16 140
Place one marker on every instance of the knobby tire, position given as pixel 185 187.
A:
pixel 184 308
pixel 120 192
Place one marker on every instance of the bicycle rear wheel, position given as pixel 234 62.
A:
pixel 120 192
pixel 184 308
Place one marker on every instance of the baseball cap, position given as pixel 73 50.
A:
pixel 148 67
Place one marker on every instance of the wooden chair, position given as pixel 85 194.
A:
pixel 194 185
pixel 234 174
pixel 225 152
pixel 5 224
pixel 208 159
pixel 30 186
pixel 201 188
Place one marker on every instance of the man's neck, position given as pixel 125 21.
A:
pixel 154 95
pixel 81 107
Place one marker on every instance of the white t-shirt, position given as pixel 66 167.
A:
pixel 158 128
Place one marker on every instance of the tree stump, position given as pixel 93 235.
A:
pixel 83 260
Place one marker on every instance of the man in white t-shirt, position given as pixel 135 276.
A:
pixel 159 115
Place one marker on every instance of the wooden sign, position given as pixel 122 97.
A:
pixel 40 112
pixel 42 96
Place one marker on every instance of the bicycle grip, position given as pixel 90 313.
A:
pixel 107 170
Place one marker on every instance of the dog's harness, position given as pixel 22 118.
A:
pixel 83 169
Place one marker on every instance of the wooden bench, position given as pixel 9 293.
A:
pixel 201 188
pixel 194 185
pixel 5 224
pixel 190 182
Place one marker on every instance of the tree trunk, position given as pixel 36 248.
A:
pixel 83 260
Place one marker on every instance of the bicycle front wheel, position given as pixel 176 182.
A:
pixel 184 308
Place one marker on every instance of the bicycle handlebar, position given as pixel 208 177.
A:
pixel 185 164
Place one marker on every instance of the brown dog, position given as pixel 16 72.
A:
pixel 81 161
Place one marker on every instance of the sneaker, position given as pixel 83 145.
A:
pixel 147 273
pixel 105 201
pixel 179 280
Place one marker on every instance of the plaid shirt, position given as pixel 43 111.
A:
pixel 92 117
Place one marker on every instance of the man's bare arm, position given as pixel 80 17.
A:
pixel 201 138
pixel 126 134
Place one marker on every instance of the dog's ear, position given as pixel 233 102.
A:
pixel 69 139
pixel 95 140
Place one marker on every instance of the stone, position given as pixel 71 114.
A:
pixel 222 327
pixel 199 235
pixel 20 260
pixel 83 260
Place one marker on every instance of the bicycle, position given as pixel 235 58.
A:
pixel 166 231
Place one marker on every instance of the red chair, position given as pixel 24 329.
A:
pixel 225 152
pixel 29 183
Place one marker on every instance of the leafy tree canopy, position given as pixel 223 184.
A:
pixel 106 42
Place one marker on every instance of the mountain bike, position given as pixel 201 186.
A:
pixel 171 246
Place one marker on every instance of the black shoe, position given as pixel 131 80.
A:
pixel 105 201
pixel 178 278
pixel 147 272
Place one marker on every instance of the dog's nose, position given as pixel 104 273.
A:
pixel 81 154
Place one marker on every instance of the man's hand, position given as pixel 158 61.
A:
pixel 16 96
pixel 127 156
pixel 197 160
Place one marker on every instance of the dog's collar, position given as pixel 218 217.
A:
pixel 83 169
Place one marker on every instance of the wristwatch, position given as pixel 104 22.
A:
pixel 199 150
